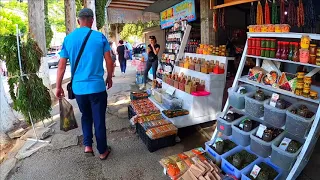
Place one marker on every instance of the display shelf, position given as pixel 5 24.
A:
pixel 183 121
pixel 245 79
pixel 283 35
pixel 312 136
pixel 221 59
pixel 180 92
pixel 285 61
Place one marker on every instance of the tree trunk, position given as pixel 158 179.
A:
pixel 7 118
pixel 36 17
pixel 91 4
pixel 70 14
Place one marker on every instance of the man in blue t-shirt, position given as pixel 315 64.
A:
pixel 88 84
pixel 130 48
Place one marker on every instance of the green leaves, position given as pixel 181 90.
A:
pixel 8 21
pixel 100 13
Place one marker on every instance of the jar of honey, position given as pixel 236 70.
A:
pixel 307 82
pixel 312 59
pixel 277 28
pixel 304 55
pixel 299 89
pixel 305 42
pixel 306 92
pixel 313 94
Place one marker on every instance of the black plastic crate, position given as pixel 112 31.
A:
pixel 131 112
pixel 155 144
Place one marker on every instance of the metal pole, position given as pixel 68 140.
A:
pixel 18 45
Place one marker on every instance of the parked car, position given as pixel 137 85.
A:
pixel 53 59
pixel 138 49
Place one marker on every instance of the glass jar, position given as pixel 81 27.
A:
pixel 313 49
pixel 318 61
pixel 250 42
pixel 263 51
pixel 258 42
pixel 258 51
pixel 263 43
pixel 313 94
pixel 312 59
pixel 306 92
pixel 272 53
pixel 305 42
pixel 272 43
pixel 285 28
pixel 277 28
pixel 307 82
pixel 250 51
pixel 278 54
pixel 268 43
pixel 304 55
pixel 267 53
pixel 299 89
pixel 300 76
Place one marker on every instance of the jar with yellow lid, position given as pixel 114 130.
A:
pixel 300 75
pixel 299 89
pixel 307 81
pixel 305 42
pixel 313 94
pixel 306 92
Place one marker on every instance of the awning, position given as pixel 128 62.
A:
pixel 131 4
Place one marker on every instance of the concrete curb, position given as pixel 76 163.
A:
pixel 53 86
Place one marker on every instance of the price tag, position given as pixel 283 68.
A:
pixel 274 99
pixel 284 143
pixel 170 90
pixel 255 171
pixel 164 171
pixel 240 88
pixel 261 130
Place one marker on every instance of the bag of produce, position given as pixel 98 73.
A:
pixel 67 118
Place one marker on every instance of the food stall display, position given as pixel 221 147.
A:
pixel 281 109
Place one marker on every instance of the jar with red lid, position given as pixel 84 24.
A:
pixel 250 51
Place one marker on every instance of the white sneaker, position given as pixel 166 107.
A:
pixel 123 75
pixel 143 87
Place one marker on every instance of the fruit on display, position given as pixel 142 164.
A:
pixel 293 146
pixel 241 159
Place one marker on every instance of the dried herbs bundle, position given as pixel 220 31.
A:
pixel 259 14
pixel 292 14
pixel 252 14
pixel 300 14
pixel 267 13
pixel 274 12
pixel 282 12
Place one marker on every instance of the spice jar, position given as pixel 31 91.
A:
pixel 304 55
pixel 312 59
pixel 305 42
pixel 272 43
pixel 278 54
pixel 263 51
pixel 307 82
pixel 263 43
pixel 313 49
pixel 299 88
pixel 313 94
pixel 268 43
pixel 267 53
pixel 272 53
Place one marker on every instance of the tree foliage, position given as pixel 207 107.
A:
pixel 100 13
pixel 8 21
pixel 135 30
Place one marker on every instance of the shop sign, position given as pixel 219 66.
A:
pixel 183 10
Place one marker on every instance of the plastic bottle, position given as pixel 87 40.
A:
pixel 279 51
pixel 291 52
pixel 285 51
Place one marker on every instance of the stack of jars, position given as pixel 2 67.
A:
pixel 307 86
pixel 304 51
pixel 318 57
pixel 313 54
pixel 254 46
pixel 300 84
pixel 268 48
pixel 303 87
pixel 288 51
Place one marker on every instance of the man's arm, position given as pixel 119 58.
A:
pixel 109 64
pixel 61 70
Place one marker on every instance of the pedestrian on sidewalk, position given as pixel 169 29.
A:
pixel 153 50
pixel 122 60
pixel 113 56
pixel 88 84
pixel 130 49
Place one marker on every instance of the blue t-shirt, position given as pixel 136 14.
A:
pixel 88 78
pixel 129 46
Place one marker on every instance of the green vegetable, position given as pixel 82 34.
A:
pixel 247 158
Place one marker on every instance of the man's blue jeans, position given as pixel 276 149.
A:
pixel 93 108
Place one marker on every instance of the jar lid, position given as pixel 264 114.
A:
pixel 313 93
pixel 300 73
pixel 312 55
pixel 313 45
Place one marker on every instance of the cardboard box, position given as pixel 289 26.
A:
pixel 190 89
pixel 176 84
pixel 181 86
